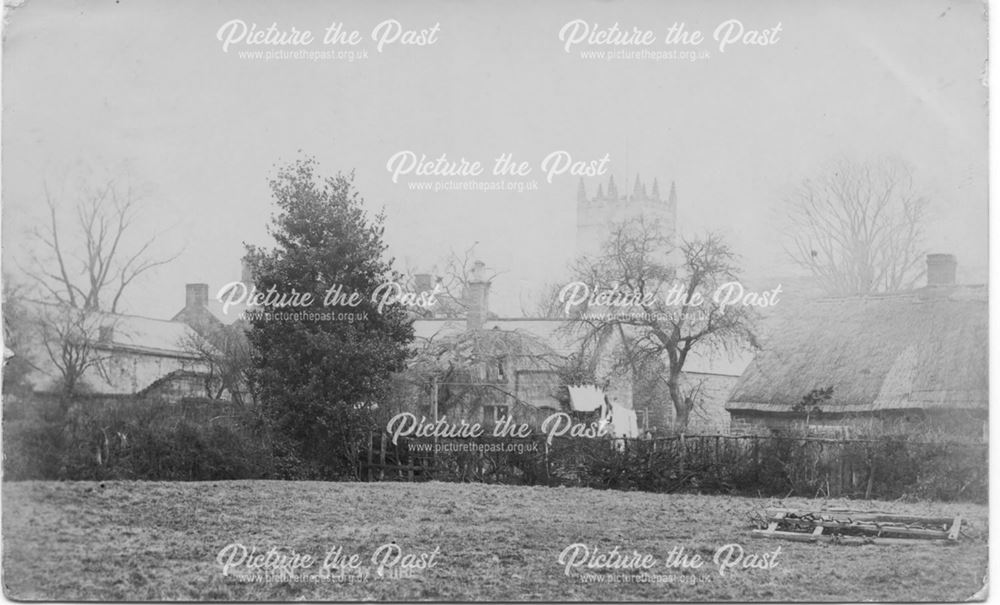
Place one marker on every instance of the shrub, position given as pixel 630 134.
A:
pixel 138 439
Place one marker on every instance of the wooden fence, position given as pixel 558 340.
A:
pixel 747 464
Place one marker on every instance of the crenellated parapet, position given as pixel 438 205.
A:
pixel 641 192
pixel 596 216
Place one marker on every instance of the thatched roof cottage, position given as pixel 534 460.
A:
pixel 917 359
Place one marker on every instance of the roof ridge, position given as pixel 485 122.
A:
pixel 109 313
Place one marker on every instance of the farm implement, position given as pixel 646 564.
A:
pixel 856 527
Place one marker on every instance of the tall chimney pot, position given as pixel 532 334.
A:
pixel 196 296
pixel 422 282
pixel 477 297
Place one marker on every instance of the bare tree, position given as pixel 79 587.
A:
pixel 87 263
pixel 857 228
pixel 546 305
pixel 89 252
pixel 225 355
pixel 675 312
pixel 72 340
pixel 473 367
pixel 451 280
pixel 67 336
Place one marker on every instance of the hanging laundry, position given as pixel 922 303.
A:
pixel 623 422
pixel 585 398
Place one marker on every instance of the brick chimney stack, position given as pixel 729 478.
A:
pixel 422 282
pixel 196 296
pixel 941 269
pixel 477 295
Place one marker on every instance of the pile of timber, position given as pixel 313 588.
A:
pixel 858 527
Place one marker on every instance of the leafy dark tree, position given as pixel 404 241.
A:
pixel 321 379
pixel 225 355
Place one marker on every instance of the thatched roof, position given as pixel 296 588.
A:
pixel 921 350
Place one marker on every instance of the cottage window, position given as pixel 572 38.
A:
pixel 644 414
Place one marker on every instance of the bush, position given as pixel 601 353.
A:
pixel 778 466
pixel 887 468
pixel 132 439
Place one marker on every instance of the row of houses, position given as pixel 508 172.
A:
pixel 528 364
pixel 914 359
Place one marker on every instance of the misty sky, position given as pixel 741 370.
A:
pixel 89 86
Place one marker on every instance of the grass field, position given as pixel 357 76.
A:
pixel 136 541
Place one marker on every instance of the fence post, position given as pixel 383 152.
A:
pixel 434 411
pixel 871 478
pixel 821 464
pixel 371 439
pixel 683 452
pixel 545 460
pixel 843 464
pixel 381 453
pixel 399 459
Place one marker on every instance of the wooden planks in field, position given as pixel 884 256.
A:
pixel 858 527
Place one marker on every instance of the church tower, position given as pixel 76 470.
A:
pixel 596 216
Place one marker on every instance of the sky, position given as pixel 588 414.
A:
pixel 92 89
